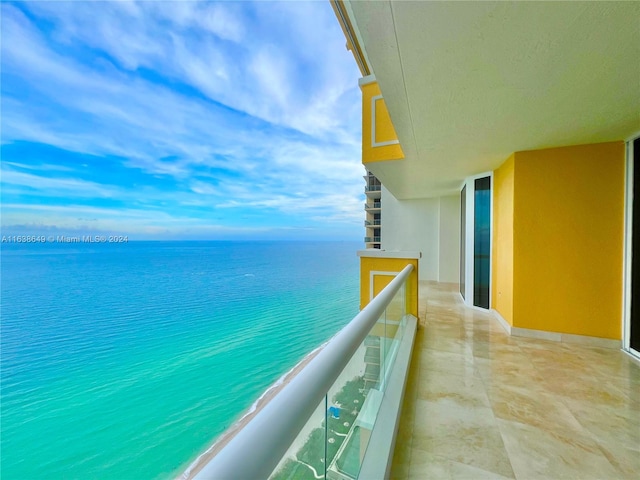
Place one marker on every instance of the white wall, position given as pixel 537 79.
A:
pixel 449 239
pixel 428 225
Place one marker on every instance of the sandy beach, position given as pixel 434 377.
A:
pixel 232 431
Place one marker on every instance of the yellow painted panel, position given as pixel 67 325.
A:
pixel 376 264
pixel 380 281
pixel 502 255
pixel 568 239
pixel 383 126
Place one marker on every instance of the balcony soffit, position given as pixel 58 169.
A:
pixel 468 83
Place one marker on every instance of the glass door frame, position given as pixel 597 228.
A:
pixel 469 236
pixel 628 246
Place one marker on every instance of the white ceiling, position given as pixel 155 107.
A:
pixel 468 83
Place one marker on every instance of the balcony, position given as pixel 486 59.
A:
pixel 373 194
pixel 371 239
pixel 478 403
pixel 372 188
pixel 372 206
pixel 372 223
pixel 483 404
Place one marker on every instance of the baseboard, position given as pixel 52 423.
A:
pixel 556 336
pixel 503 323
pixel 634 356
pixel 592 341
pixel 537 334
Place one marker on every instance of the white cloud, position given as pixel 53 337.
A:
pixel 283 70
pixel 56 186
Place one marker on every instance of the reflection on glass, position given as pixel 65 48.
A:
pixel 463 238
pixel 347 398
pixel 307 455
pixel 482 242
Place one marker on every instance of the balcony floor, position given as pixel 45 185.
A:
pixel 481 404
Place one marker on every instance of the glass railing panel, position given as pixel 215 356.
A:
pixel 306 457
pixel 387 335
pixel 337 434
pixel 349 415
pixel 395 324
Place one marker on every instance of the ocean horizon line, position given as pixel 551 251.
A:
pixel 58 239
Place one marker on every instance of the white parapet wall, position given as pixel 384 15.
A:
pixel 427 225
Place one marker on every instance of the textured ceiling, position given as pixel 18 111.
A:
pixel 468 83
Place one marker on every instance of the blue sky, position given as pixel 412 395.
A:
pixel 179 120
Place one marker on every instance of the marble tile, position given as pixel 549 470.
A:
pixel 499 352
pixel 535 453
pixel 559 358
pixel 473 336
pixel 508 373
pixel 530 345
pixel 483 404
pixel 597 391
pixel 450 330
pixel 446 363
pixel 462 434
pixel 425 465
pixel 399 472
pixel 429 466
pixel 465 390
pixel 533 407
pixel 447 344
pixel 401 457
pixel 625 460
pixel 461 471
pixel 608 425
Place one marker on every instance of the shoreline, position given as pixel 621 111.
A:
pixel 221 441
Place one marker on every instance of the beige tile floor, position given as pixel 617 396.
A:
pixel 483 405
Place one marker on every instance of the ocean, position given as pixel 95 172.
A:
pixel 126 361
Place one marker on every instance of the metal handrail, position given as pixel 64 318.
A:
pixel 258 448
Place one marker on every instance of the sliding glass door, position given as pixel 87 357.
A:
pixel 463 229
pixel 475 241
pixel 634 316
pixel 482 242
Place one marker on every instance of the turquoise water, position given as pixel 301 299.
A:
pixel 127 360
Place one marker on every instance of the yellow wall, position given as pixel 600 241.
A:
pixel 502 254
pixel 567 239
pixel 369 264
pixel 384 128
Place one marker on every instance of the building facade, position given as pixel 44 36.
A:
pixel 373 211
pixel 503 135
